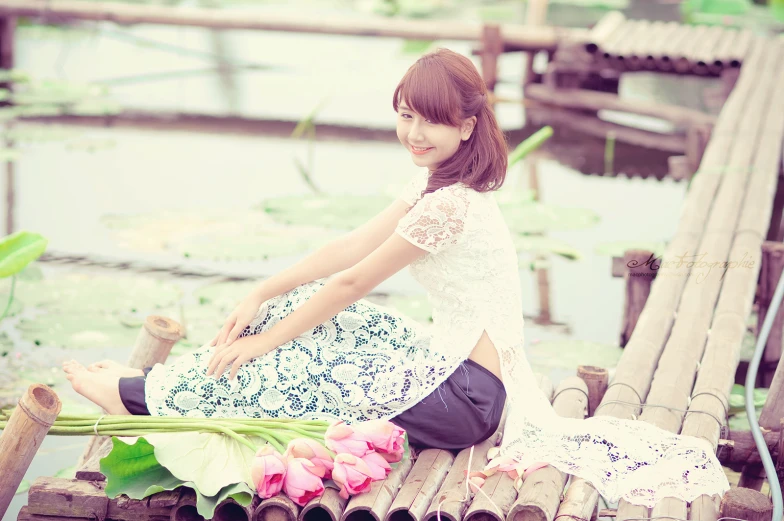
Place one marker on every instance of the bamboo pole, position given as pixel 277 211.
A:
pixel 703 54
pixel 376 502
pixel 153 345
pixel 185 509
pixel 741 49
pixel 670 49
pixel 603 30
pixel 328 505
pixel 540 495
pixel 616 40
pixel 519 37
pixel 739 197
pixel 498 491
pixel 421 485
pixel 659 41
pixel 230 510
pixel 25 431
pixel 723 50
pixel 596 379
pixel 632 49
pixel 584 99
pixel 276 508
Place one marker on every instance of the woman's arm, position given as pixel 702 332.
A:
pixel 339 255
pixel 337 294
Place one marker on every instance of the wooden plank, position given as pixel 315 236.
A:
pixel 592 100
pixel 744 450
pixel 123 508
pixel 771 269
pixel 91 470
pixel 520 37
pixel 422 483
pixel 67 497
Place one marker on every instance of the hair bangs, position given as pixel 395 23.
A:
pixel 427 90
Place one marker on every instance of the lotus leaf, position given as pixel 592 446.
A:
pixel 18 250
pixel 39 133
pixel 344 212
pixel 738 398
pixel 84 330
pixel 537 217
pixel 81 293
pixel 542 244
pixel 9 154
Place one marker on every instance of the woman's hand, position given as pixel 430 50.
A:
pixel 236 354
pixel 238 320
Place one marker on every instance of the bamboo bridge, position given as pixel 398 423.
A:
pixel 685 316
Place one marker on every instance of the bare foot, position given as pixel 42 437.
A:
pixel 114 368
pixel 102 388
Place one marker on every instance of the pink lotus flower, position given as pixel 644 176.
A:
pixel 340 438
pixel 314 451
pixel 268 471
pixel 352 474
pixel 301 484
pixel 377 465
pixel 387 438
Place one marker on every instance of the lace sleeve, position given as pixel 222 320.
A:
pixel 437 221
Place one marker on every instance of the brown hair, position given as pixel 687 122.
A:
pixel 445 87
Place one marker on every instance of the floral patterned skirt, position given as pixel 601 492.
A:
pixel 367 362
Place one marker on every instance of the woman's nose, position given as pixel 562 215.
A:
pixel 415 133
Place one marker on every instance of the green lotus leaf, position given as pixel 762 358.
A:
pixel 32 273
pixel 537 217
pixel 211 461
pixel 13 75
pixel 618 248
pixel 82 293
pixel 24 486
pixel 16 305
pixel 67 472
pixel 225 295
pixel 132 469
pixel 40 110
pixel 533 142
pixel 344 212
pixel 417 47
pixel 507 197
pixel 9 154
pixel 77 331
pixel 738 398
pixel 542 244
pixel 568 354
pixel 18 250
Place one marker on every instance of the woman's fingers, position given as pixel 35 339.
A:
pixel 235 332
pixel 227 357
pixel 224 332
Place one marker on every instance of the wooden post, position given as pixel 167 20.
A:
pixel 153 345
pixel 747 504
pixel 276 508
pixel 26 428
pixel 492 47
pixel 7 31
pixel 328 505
pixel 771 269
pixel 697 137
pixel 596 378
pixel 640 269
pixel 679 168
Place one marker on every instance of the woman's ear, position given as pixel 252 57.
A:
pixel 468 128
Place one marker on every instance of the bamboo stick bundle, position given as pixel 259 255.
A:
pixel 671 49
pixel 682 58
pixel 673 380
pixel 635 369
pixel 230 510
pixel 633 52
pixel 616 41
pixel 659 41
pixel 603 30
pixel 540 494
pixel 703 54
pixel 740 49
pixel 723 50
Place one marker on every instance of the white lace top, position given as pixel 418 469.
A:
pixel 472 281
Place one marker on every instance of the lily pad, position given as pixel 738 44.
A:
pixel 537 217
pixel 224 295
pixel 79 293
pixel 738 398
pixel 77 331
pixel 201 325
pixel 343 212
pixel 618 248
pixel 248 245
pixel 542 244
pixel 568 354
pixel 18 250
pixel 24 486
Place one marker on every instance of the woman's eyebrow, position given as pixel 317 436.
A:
pixel 403 107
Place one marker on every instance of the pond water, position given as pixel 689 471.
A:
pixel 147 196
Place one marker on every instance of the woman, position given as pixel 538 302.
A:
pixel 297 347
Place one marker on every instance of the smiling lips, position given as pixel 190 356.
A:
pixel 419 151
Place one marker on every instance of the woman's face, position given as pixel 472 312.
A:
pixel 430 144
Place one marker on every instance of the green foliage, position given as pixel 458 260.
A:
pixel 535 217
pixel 18 250
pixel 133 469
pixel 343 212
pixel 529 145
